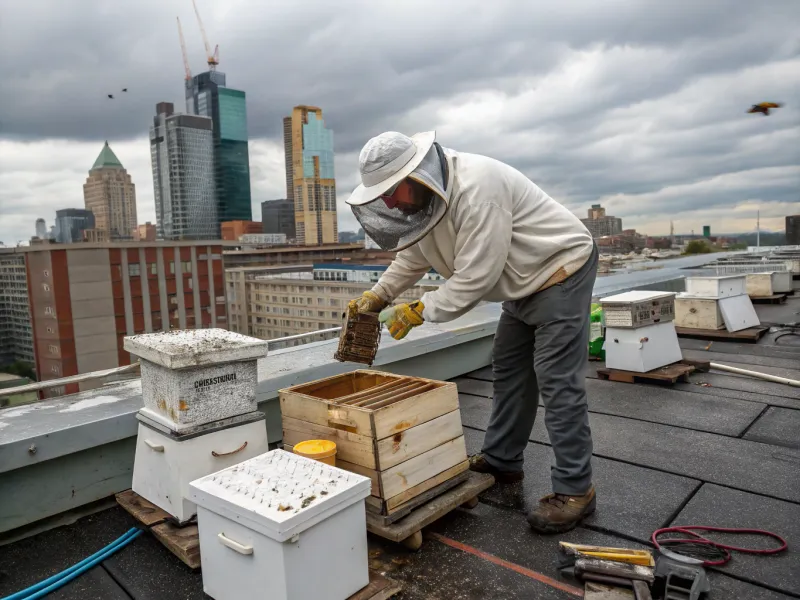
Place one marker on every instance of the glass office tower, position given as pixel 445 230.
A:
pixel 208 96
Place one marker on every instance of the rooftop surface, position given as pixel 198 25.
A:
pixel 720 450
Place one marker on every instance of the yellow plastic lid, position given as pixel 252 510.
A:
pixel 315 448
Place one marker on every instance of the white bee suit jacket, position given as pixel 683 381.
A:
pixel 502 238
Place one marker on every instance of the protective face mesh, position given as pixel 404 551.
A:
pixel 394 230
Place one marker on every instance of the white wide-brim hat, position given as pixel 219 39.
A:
pixel 386 160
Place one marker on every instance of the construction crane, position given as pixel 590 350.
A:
pixel 183 51
pixel 212 58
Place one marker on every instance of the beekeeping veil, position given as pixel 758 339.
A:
pixel 384 162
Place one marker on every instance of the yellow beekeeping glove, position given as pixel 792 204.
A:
pixel 368 302
pixel 402 318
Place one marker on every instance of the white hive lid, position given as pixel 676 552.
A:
pixel 195 347
pixel 636 296
pixel 279 494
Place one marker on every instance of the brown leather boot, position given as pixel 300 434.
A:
pixel 558 513
pixel 479 464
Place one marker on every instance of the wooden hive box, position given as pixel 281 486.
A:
pixel 404 433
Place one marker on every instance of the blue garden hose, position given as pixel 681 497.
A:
pixel 50 584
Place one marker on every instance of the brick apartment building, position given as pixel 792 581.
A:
pixel 84 299
pixel 233 230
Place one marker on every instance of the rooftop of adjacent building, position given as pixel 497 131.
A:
pixel 719 450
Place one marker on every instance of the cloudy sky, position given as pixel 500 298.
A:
pixel 638 105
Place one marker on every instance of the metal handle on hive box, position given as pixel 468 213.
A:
pixel 236 546
pixel 154 447
pixel 216 454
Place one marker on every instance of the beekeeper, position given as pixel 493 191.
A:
pixel 495 236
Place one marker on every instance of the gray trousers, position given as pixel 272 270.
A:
pixel 541 348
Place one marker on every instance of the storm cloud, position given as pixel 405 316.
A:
pixel 639 105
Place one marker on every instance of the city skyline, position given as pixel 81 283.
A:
pixel 649 121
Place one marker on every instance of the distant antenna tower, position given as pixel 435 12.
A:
pixel 212 58
pixel 183 51
pixel 671 233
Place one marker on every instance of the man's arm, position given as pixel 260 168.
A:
pixel 482 245
pixel 406 269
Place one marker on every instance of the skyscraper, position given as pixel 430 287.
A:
pixel 182 156
pixel 311 172
pixel 110 194
pixel 277 216
pixel 793 230
pixel 71 223
pixel 208 96
pixel 41 228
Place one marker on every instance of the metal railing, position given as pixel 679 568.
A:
pixel 273 344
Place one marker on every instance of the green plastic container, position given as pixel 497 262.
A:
pixel 596 337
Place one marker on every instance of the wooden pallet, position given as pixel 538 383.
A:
pixel 669 374
pixel 184 542
pixel 774 299
pixel 751 335
pixel 408 530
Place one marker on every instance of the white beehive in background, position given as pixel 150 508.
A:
pixel 759 284
pixel 722 286
pixel 781 282
pixel 730 294
pixel 198 376
pixel 768 284
pixel 642 349
pixel 698 313
pixel 640 332
pixel 282 527
pixel 638 308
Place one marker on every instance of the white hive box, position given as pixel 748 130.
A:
pixel 738 313
pixel 282 527
pixel 642 349
pixel 768 284
pixel 698 313
pixel 193 377
pixel 781 282
pixel 724 286
pixel 759 285
pixel 638 308
pixel 166 463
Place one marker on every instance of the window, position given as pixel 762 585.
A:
pixel 45 287
pixel 334 315
pixel 153 268
pixel 50 330
pixel 320 313
pixel 133 270
pixel 172 267
pixel 46 273
pixel 186 266
pixel 48 310
pixel 334 302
